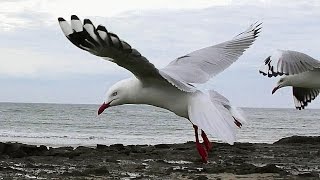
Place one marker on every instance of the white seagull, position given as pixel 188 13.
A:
pixel 171 87
pixel 301 71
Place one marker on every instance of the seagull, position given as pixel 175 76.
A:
pixel 301 71
pixel 172 87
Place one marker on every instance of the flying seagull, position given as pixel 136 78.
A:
pixel 301 71
pixel 171 87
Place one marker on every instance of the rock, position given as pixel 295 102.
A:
pixel 310 174
pixel 2 147
pixel 119 147
pixel 202 177
pixel 61 151
pixel 74 173
pixel 28 149
pixel 12 147
pixel 162 146
pixel 299 140
pixel 137 149
pixel 97 171
pixel 43 148
pixel 18 154
pixel 101 146
pixel 270 168
pixel 82 149
pixel 246 168
pixel 164 161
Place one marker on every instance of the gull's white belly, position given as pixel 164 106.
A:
pixel 169 98
pixel 309 79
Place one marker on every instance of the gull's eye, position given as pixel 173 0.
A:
pixel 114 94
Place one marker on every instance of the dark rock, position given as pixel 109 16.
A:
pixel 73 154
pixel 2 147
pixel 246 168
pixel 137 149
pixel 18 154
pixel 310 174
pixel 162 146
pixel 160 161
pixel 270 168
pixel 11 147
pixel 28 149
pixel 119 147
pixel 126 152
pixel 61 151
pixel 74 173
pixel 43 148
pixel 101 146
pixel 111 160
pixel 238 160
pixel 182 148
pixel 299 140
pixel 83 149
pixel 215 169
pixel 97 171
pixel 202 177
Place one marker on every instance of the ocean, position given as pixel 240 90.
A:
pixel 78 125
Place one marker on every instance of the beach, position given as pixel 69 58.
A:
pixel 291 157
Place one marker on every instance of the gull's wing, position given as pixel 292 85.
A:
pixel 199 66
pixel 236 113
pixel 212 113
pixel 109 46
pixel 285 62
pixel 302 96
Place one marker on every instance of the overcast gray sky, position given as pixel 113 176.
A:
pixel 38 64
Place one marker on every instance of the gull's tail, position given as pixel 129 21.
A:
pixel 214 114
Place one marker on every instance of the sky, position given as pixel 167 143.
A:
pixel 38 64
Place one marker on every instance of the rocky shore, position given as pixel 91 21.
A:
pixel 296 157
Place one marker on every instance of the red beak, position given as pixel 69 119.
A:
pixel 275 89
pixel 103 107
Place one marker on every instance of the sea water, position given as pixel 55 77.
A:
pixel 79 125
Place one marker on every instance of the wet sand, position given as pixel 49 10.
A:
pixel 289 158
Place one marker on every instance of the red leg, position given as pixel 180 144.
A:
pixel 206 141
pixel 201 150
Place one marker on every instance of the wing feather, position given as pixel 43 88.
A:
pixel 196 67
pixel 109 46
pixel 199 66
pixel 286 62
pixel 213 114
pixel 303 96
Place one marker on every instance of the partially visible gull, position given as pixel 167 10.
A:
pixel 300 71
pixel 171 87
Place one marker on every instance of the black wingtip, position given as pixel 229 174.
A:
pixel 257 28
pixel 74 17
pixel 263 73
pixel 267 60
pixel 102 28
pixel 87 21
pixel 61 19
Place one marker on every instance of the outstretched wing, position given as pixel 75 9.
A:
pixel 199 66
pixel 285 62
pixel 109 46
pixel 302 96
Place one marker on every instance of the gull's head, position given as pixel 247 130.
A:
pixel 284 81
pixel 116 95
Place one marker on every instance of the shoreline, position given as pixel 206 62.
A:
pixel 291 157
